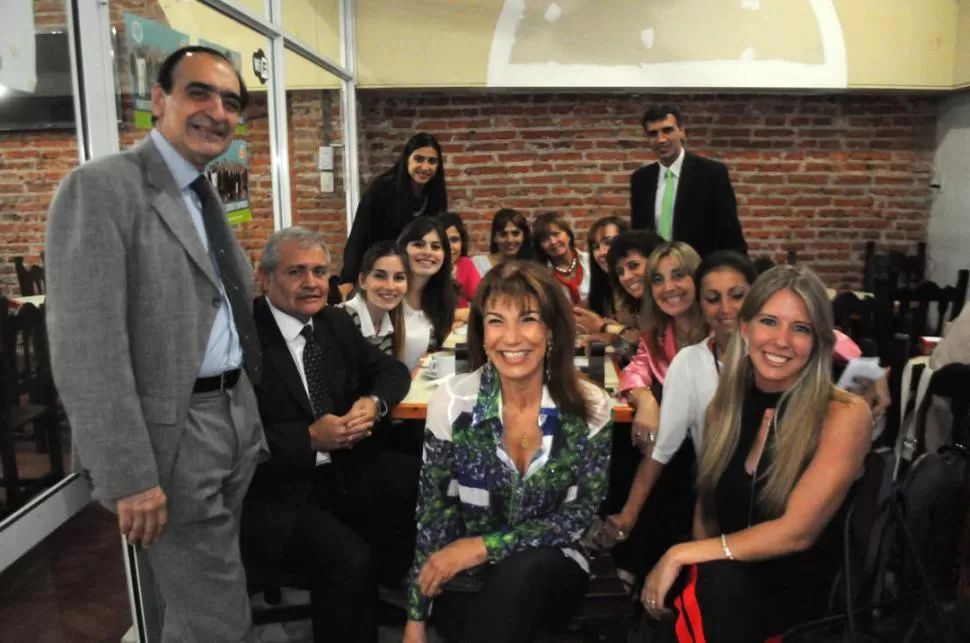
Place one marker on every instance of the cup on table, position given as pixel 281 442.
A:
pixel 441 364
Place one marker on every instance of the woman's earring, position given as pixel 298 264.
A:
pixel 548 359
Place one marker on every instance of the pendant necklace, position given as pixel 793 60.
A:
pixel 572 266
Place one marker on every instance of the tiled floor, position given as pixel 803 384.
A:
pixel 70 588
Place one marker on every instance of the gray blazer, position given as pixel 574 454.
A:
pixel 131 299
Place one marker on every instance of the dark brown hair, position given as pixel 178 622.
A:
pixel 542 229
pixel 523 282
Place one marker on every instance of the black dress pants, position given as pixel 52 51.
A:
pixel 735 602
pixel 355 530
pixel 525 594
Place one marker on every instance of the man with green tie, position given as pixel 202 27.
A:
pixel 683 197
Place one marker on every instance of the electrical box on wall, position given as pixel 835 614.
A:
pixel 326 181
pixel 325 158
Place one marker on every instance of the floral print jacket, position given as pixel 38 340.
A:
pixel 469 485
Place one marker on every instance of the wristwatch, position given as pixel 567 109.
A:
pixel 381 406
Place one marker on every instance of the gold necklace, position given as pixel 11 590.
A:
pixel 525 440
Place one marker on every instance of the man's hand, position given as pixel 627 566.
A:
pixel 142 516
pixel 362 415
pixel 331 432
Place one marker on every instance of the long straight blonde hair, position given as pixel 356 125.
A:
pixel 653 321
pixel 801 409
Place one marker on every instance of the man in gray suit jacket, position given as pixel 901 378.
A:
pixel 154 349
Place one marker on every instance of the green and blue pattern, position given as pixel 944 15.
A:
pixel 470 487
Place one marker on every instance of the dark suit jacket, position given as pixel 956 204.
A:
pixel 705 209
pixel 281 484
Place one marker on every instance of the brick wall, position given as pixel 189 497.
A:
pixel 31 166
pixel 821 174
pixel 326 212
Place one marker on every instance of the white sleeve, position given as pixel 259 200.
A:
pixel 676 409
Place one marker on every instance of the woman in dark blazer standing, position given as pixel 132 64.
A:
pixel 415 185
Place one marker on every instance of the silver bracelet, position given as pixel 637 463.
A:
pixel 724 546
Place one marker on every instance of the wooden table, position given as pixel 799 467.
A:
pixel 415 405
pixel 36 300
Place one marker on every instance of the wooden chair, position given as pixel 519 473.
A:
pixel 895 267
pixel 32 281
pixel 925 308
pixel 27 397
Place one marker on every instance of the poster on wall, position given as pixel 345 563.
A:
pixel 18 56
pixel 698 43
pixel 148 45
pixel 236 59
pixel 229 175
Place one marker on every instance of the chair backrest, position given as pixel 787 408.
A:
pixel 38 280
pixel 23 277
pixel 924 309
pixel 898 268
pixel 855 316
pixel 24 356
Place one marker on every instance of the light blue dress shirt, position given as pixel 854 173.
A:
pixel 223 351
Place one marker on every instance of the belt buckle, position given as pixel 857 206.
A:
pixel 222 381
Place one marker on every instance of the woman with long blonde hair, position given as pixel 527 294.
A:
pixel 782 448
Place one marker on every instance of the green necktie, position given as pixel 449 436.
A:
pixel 667 206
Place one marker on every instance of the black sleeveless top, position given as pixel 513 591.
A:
pixel 736 507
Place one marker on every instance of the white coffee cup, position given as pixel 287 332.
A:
pixel 442 364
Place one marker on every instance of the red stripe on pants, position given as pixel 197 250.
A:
pixel 689 626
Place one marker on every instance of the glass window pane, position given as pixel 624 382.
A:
pixel 38 147
pixel 145 38
pixel 68 585
pixel 313 121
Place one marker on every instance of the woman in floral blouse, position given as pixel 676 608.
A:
pixel 515 461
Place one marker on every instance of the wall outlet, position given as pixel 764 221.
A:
pixel 326 182
pixel 325 156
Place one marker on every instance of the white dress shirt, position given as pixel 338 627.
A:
pixel 291 327
pixel 223 352
pixel 661 188
pixel 418 332
pixel 366 323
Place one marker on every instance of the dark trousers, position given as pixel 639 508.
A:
pixel 734 602
pixel 355 531
pixel 530 592
pixel 665 518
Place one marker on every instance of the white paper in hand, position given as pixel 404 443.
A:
pixel 862 367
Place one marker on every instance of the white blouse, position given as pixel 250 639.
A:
pixel 483 263
pixel 689 387
pixel 418 332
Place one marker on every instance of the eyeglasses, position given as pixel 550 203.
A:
pixel 199 92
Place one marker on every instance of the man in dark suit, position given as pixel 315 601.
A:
pixel 327 505
pixel 683 197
